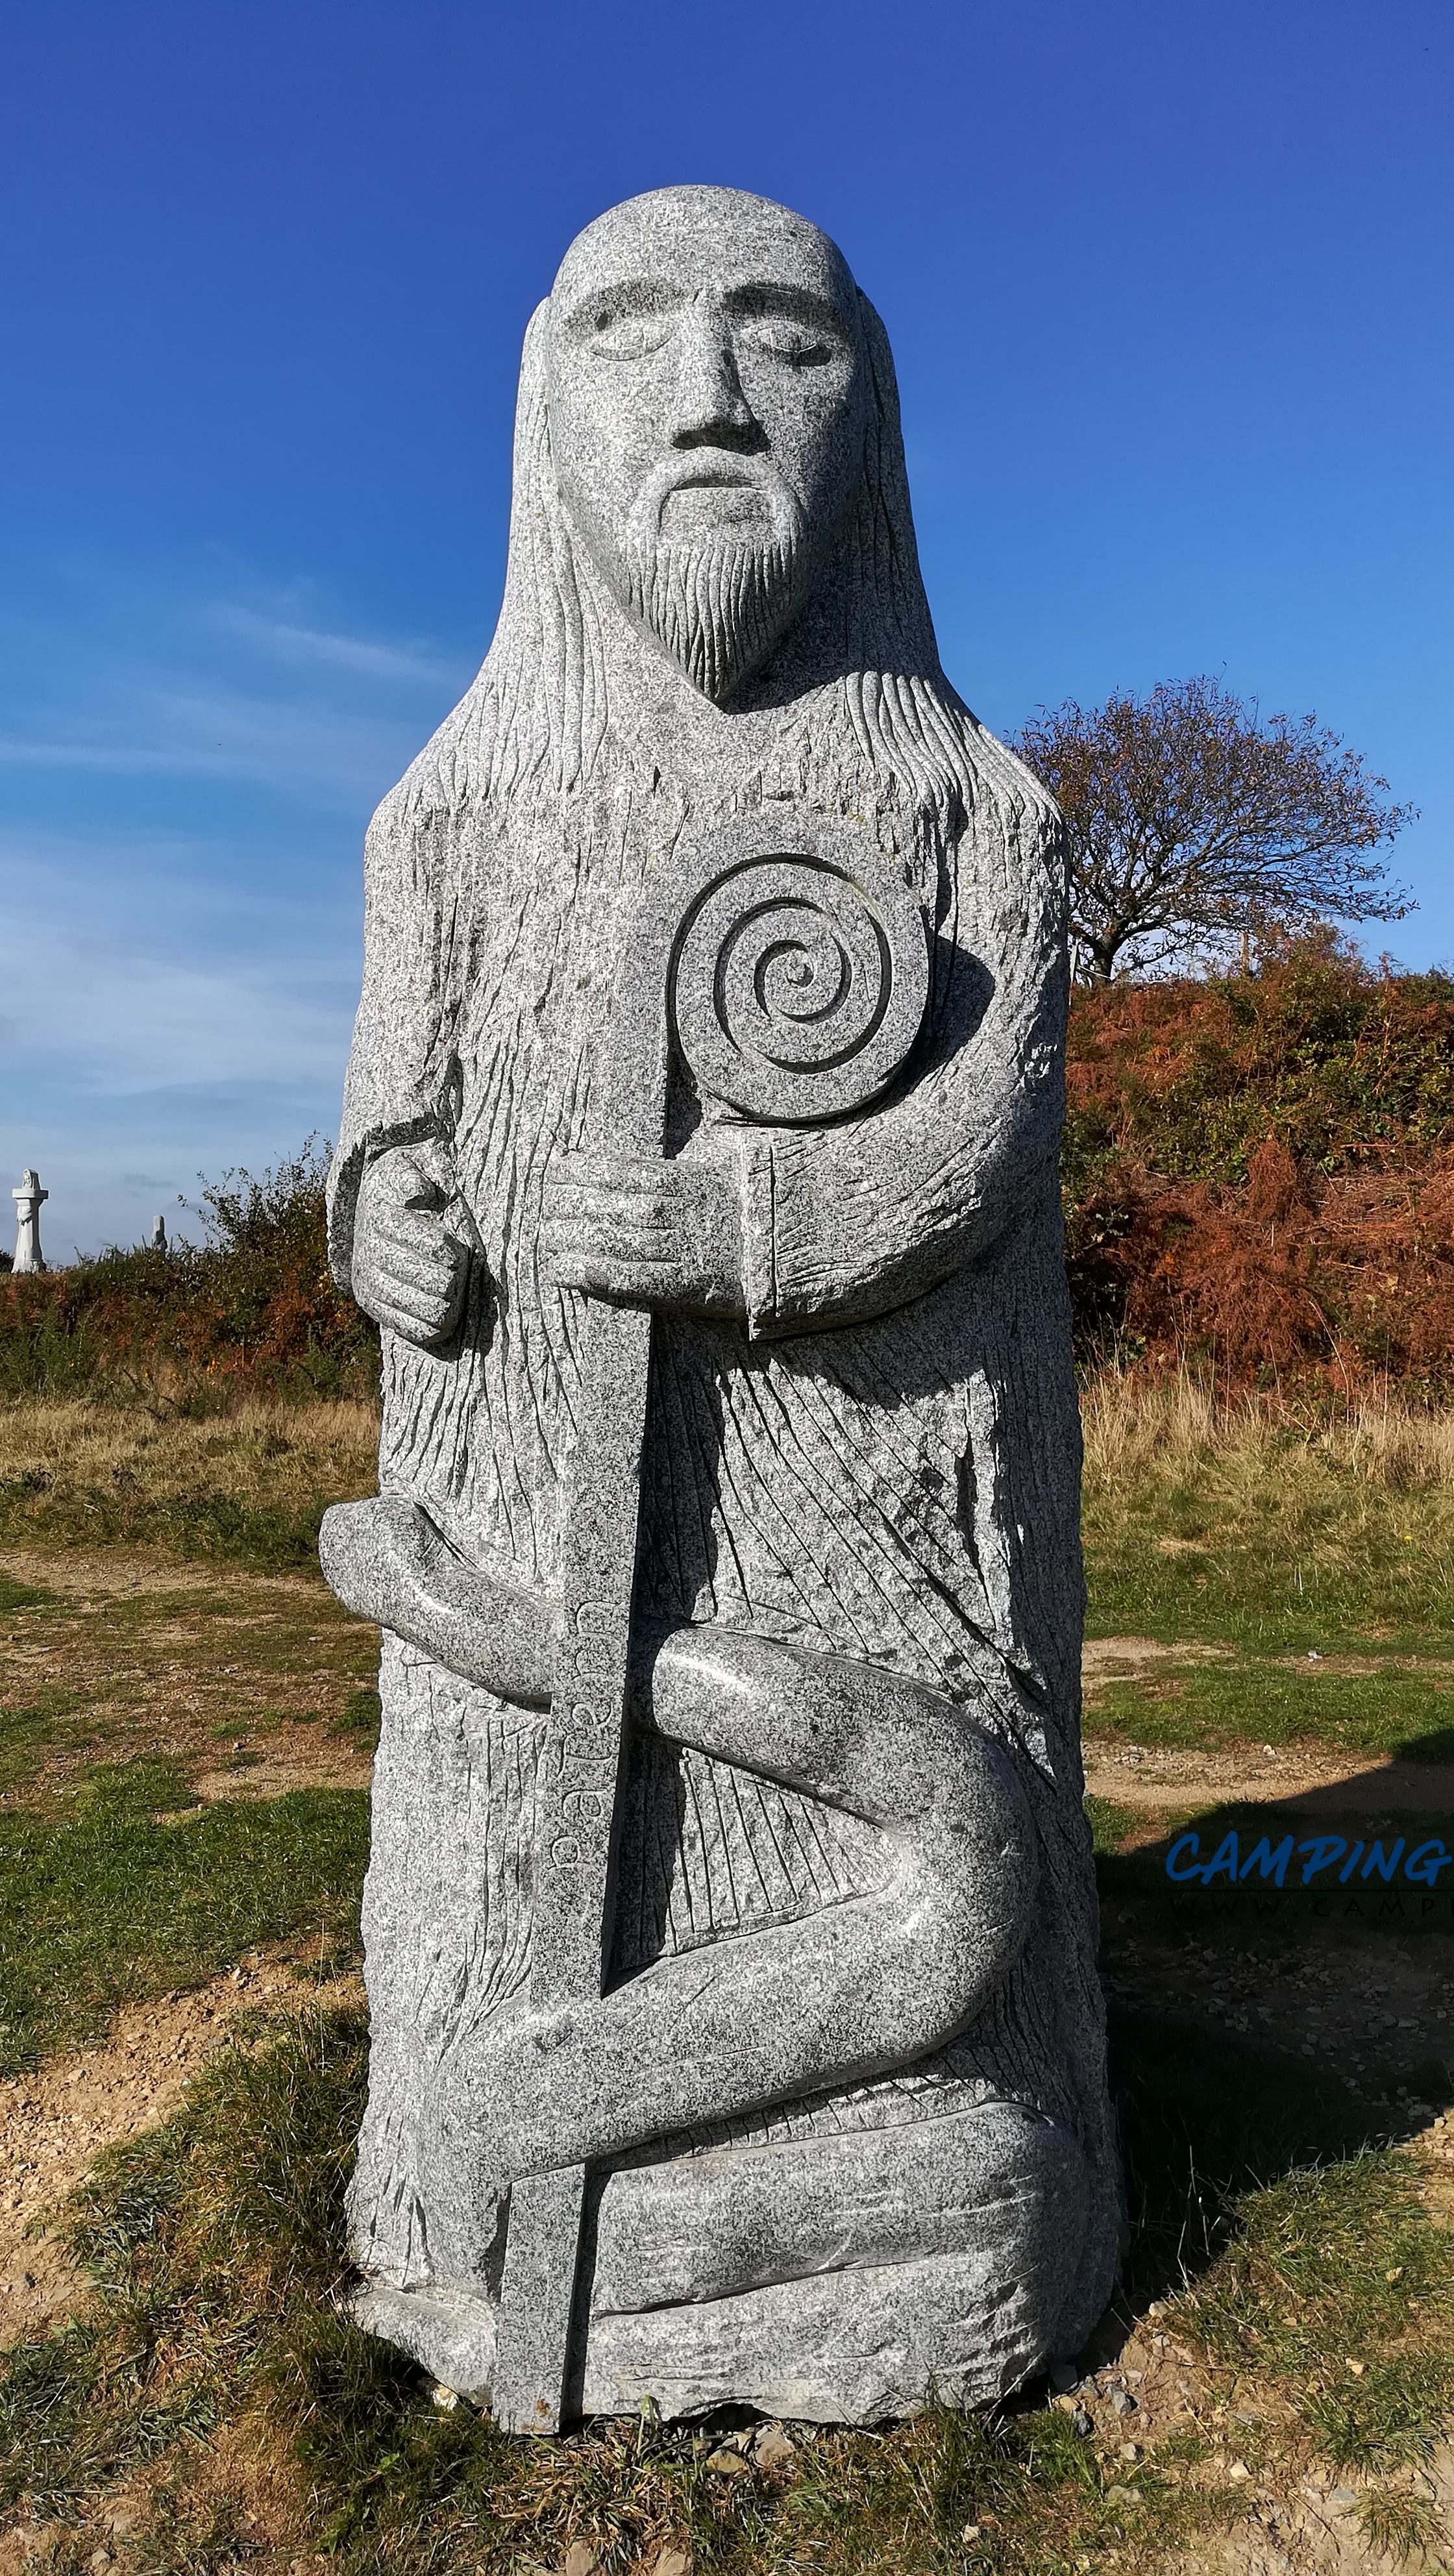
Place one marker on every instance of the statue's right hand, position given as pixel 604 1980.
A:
pixel 410 1256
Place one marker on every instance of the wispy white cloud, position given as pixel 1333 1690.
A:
pixel 229 689
pixel 348 757
pixel 412 661
pixel 139 972
pixel 284 742
pixel 185 771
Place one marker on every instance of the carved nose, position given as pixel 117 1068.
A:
pixel 711 407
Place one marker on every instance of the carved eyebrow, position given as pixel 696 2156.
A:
pixel 790 303
pixel 624 296
pixel 763 297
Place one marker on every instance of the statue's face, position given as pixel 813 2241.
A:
pixel 706 392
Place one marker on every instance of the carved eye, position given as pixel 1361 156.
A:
pixel 774 337
pixel 628 335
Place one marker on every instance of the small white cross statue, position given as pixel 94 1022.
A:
pixel 28 1199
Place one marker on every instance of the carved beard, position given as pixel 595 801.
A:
pixel 718 604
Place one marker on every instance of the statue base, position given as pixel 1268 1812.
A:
pixel 940 2271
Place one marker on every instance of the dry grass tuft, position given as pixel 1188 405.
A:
pixel 1248 1518
pixel 1180 1423
pixel 246 1485
pixel 266 1453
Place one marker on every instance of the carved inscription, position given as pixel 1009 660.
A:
pixel 578 1776
pixel 575 1847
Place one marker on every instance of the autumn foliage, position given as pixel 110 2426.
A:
pixel 1258 1179
pixel 252 1310
pixel 1259 1171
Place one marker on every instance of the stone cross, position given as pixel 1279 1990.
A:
pixel 730 1921
pixel 29 1199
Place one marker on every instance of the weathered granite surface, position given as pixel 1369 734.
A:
pixel 730 1921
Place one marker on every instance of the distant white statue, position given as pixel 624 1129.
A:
pixel 159 1234
pixel 28 1200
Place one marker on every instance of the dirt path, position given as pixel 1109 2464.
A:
pixel 1113 1659
pixel 246 1679
pixel 1309 1783
pixel 1308 2522
pixel 54 2124
pixel 1312 1783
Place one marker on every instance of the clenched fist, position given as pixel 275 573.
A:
pixel 412 1245
pixel 649 1233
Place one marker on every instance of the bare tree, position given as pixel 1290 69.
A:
pixel 1194 824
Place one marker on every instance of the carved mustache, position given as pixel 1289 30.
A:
pixel 701 472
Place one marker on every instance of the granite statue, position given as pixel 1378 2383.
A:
pixel 29 1200
pixel 730 1922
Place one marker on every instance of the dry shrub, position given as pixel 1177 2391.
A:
pixel 254 1310
pixel 1358 1286
pixel 1260 1172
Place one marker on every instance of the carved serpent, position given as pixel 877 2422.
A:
pixel 890 1976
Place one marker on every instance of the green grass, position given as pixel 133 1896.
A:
pixel 1264 1537
pixel 361 1717
pixel 1334 2265
pixel 58 1718
pixel 144 1670
pixel 25 1596
pixel 115 1906
pixel 1276 1591
pixel 1110 1825
pixel 1254 1701
pixel 216 2245
pixel 1398 2524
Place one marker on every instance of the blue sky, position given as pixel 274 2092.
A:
pixel 1169 290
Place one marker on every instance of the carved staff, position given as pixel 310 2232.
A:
pixel 794 983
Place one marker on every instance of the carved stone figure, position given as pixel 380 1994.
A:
pixel 29 1199
pixel 730 1921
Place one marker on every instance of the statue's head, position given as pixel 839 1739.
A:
pixel 707 442
pixel 707 387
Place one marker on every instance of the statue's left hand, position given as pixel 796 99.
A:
pixel 646 1233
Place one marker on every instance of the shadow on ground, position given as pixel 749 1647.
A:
pixel 1202 2120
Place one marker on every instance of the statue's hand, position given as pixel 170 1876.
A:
pixel 410 1258
pixel 647 1233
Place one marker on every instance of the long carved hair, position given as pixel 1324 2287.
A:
pixel 883 730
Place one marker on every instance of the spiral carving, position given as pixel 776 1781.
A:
pixel 799 982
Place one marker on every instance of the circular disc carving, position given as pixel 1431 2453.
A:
pixel 800 974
